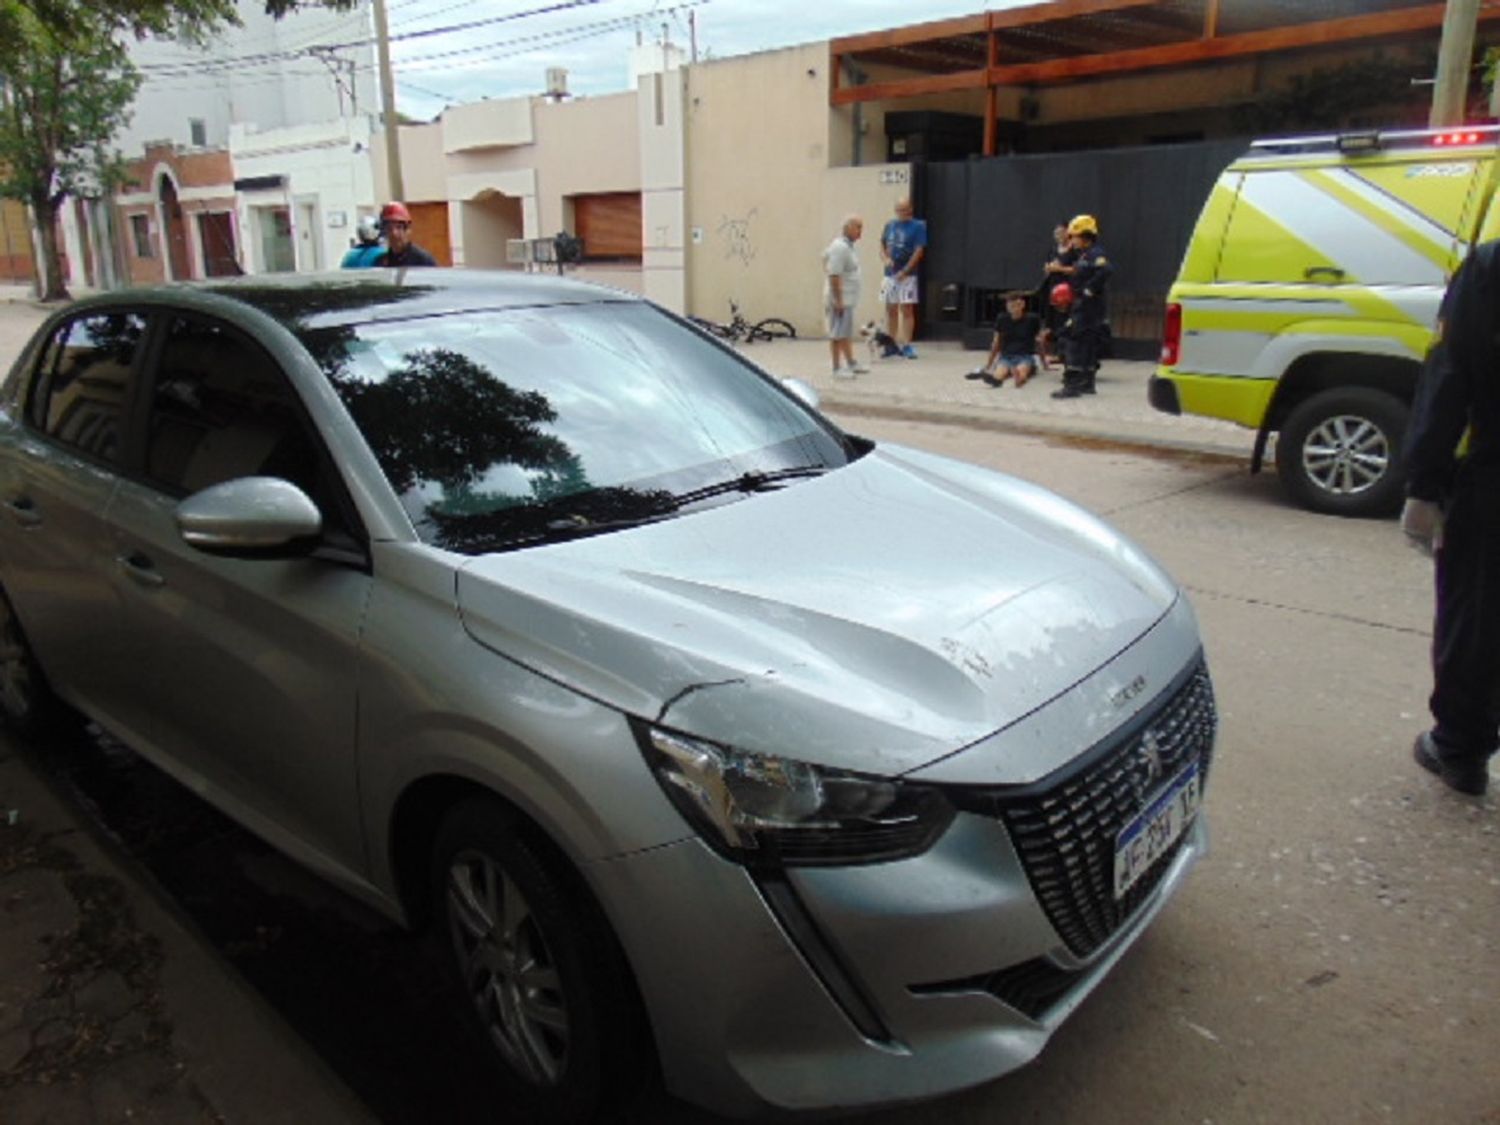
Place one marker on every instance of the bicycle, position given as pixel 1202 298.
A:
pixel 738 328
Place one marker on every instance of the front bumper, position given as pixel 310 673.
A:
pixel 747 1019
pixel 840 987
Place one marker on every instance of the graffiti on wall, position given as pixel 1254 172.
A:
pixel 737 239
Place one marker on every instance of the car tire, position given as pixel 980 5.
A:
pixel 1340 452
pixel 537 972
pixel 28 706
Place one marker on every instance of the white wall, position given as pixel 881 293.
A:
pixel 183 82
pixel 326 164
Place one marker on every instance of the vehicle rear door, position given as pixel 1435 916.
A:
pixel 247 667
pixel 58 470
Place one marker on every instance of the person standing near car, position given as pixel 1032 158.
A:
pixel 400 250
pixel 903 244
pixel 1452 512
pixel 841 296
pixel 1082 334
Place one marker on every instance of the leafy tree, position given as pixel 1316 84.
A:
pixel 183 19
pixel 61 101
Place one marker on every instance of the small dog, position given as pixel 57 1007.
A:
pixel 881 343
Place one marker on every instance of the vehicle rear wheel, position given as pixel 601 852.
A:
pixel 27 705
pixel 1339 452
pixel 542 981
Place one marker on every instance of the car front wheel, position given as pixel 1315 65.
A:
pixel 1339 452
pixel 541 978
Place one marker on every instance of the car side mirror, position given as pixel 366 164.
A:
pixel 252 517
pixel 803 391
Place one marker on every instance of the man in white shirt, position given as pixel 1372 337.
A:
pixel 841 295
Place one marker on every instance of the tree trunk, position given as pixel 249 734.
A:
pixel 51 280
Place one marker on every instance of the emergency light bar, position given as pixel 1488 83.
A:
pixel 1370 141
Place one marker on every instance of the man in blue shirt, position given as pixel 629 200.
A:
pixel 903 244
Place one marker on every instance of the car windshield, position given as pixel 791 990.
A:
pixel 506 428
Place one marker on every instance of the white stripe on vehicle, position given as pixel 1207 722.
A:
pixel 1399 209
pixel 1341 235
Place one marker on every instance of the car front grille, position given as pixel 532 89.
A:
pixel 1064 828
pixel 1031 987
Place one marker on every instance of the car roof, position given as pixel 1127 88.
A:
pixel 303 301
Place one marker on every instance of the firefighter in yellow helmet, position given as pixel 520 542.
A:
pixel 1083 331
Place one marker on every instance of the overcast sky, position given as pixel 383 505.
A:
pixel 591 39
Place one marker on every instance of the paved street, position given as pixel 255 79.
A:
pixel 1333 960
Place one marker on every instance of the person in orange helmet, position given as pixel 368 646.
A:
pixel 400 250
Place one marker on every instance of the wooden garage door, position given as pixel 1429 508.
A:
pixel 429 230
pixel 610 225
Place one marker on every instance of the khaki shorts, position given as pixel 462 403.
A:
pixel 840 324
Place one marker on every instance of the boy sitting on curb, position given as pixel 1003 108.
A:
pixel 1014 347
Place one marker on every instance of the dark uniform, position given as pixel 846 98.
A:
pixel 1460 390
pixel 1082 334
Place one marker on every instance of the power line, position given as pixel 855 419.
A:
pixel 265 56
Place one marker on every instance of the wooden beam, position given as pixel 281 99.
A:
pixel 912 87
pixel 1061 10
pixel 1384 24
pixel 914 33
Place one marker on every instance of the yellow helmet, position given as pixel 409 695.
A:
pixel 1084 224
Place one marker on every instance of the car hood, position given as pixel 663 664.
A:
pixel 876 618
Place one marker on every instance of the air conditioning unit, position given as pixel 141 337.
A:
pixel 518 251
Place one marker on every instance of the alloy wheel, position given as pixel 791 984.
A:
pixel 507 968
pixel 1346 454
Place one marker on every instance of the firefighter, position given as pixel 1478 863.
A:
pixel 1451 511
pixel 1083 332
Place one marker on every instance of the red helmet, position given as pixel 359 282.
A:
pixel 1061 296
pixel 395 213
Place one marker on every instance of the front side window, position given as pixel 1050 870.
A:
pixel 222 409
pixel 82 383
pixel 503 428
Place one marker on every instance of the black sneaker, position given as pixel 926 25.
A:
pixel 991 381
pixel 979 373
pixel 1067 392
pixel 1471 777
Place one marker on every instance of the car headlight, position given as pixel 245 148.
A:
pixel 759 809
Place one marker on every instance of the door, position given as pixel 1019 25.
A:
pixel 247 668
pixel 57 474
pixel 277 253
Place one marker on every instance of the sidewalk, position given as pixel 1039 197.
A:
pixel 932 388
pixel 111 1008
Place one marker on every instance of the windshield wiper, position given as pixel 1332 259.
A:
pixel 753 481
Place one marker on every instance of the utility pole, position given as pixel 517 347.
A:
pixel 397 186
pixel 1455 54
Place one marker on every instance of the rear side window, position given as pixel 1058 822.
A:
pixel 83 379
pixel 222 409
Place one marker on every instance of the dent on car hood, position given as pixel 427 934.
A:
pixel 876 618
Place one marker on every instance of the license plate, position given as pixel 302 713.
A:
pixel 1146 838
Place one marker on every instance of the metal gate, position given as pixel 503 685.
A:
pixel 990 227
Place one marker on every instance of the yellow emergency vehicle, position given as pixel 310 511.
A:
pixel 1309 293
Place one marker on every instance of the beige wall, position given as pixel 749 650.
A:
pixel 423 166
pixel 758 139
pixel 488 124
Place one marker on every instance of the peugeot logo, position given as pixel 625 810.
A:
pixel 1151 755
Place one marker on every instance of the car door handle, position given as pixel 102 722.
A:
pixel 23 511
pixel 1332 273
pixel 138 568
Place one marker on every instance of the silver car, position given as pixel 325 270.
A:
pixel 707 736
